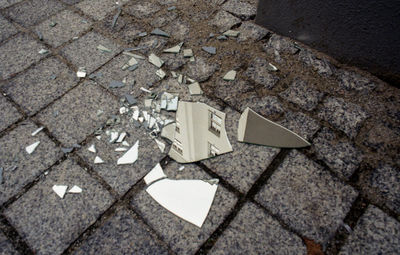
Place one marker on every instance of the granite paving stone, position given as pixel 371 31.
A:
pixel 246 163
pixel 339 155
pixel 6 247
pixel 6 29
pixel 41 84
pixel 255 232
pixel 181 236
pixel 178 30
pixel 302 94
pixel 352 81
pixel 201 69
pixel 301 124
pixel 99 10
pixel 174 61
pixel 8 114
pixel 307 198
pixel 267 106
pixel 48 223
pixel 122 177
pixel 163 19
pixel 84 53
pixel 278 45
pixel 123 233
pixel 320 65
pixel 18 54
pixel 345 116
pixel 232 92
pixel 69 25
pixel 258 72
pixel 74 116
pixel 250 31
pixel 224 21
pixel 21 168
pixel 31 12
pixel 375 233
pixel 142 10
pixel 240 8
pixel 152 44
pixel 6 3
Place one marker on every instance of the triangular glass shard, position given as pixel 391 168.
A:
pixel 37 131
pixel 155 174
pixel 254 128
pixel 31 148
pixel 60 190
pixel 75 189
pixel 98 160
pixel 92 148
pixel 130 156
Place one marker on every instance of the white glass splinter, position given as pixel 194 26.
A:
pixel 31 148
pixel 75 189
pixel 130 156
pixel 60 190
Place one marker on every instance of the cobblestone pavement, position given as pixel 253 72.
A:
pixel 340 196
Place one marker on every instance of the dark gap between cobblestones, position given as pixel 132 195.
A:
pixel 12 234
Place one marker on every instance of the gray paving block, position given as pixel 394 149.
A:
pixel 345 116
pixel 302 94
pixel 340 155
pixel 41 85
pixel 173 61
pixel 143 76
pixel 99 10
pixel 142 10
pixel 6 29
pixel 201 69
pixel 21 168
pixel 152 44
pixel 182 236
pixel 255 232
pixel 301 124
pixel 353 81
pixel 8 114
pixel 18 54
pixel 6 3
pixel 72 118
pixel 232 92
pixel 6 247
pixel 84 53
pixel 240 8
pixel 122 233
pixel 178 30
pixel 258 72
pixel 278 45
pixel 375 233
pixel 250 31
pixel 123 177
pixel 383 137
pixel 321 65
pixel 267 106
pixel 224 21
pixel 163 19
pixel 307 198
pixel 31 12
pixel 246 163
pixel 69 25
pixel 49 223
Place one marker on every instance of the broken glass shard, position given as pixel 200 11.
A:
pixel 39 34
pixel 272 68
pixel 171 8
pixel 132 61
pixel 175 49
pixel 222 37
pixel 158 62
pixel 172 104
pixel 92 148
pixel 142 34
pixel 168 132
pixel 254 128
pixel 195 89
pixel 209 49
pixel 180 79
pixel 130 156
pixel 119 149
pixel 81 73
pixel 53 24
pixel 121 137
pixel 187 53
pixel 60 190
pixel 208 125
pixel 125 143
pixel 231 33
pixel 160 73
pixel 160 145
pixel 123 110
pixel 31 148
pixel 130 100
pixel 190 200
pixel 181 168
pixel 230 76
pixel 66 149
pixel 113 136
pixel 103 48
pixel 133 68
pixel 159 32
pixel 75 189
pixel 37 131
pixel 116 84
pixel 174 75
pixel 115 18
pixel 43 51
pixel 98 160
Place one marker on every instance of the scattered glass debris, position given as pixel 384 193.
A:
pixel 168 132
pixel 81 72
pixel 209 49
pixel 158 62
pixel 142 34
pixel 130 156
pixel 125 143
pixel 181 168
pixel 116 84
pixel 113 136
pixel 254 128
pixel 231 33
pixel 66 150
pixel 121 137
pixel 75 189
pixel 160 145
pixel 211 35
pixel 119 149
pixel 159 32
pixel 92 148
pixel 188 53
pixel 145 90
pixel 40 35
pixel 175 49
pixel 174 75
pixel 195 89
pixel 60 190
pixel 53 24
pixel 103 48
pixel 37 131
pixel 272 68
pixel 155 174
pixel 171 8
pixel 130 100
pixel 222 38
pixel 43 51
pixel 160 73
pixel 115 18
pixel 230 76
pixel 123 110
pixel 31 148
pixel 98 160
pixel 180 78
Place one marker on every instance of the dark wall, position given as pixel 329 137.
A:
pixel 365 33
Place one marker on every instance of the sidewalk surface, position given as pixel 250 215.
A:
pixel 339 196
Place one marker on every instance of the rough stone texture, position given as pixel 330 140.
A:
pixel 174 61
pixel 123 177
pixel 307 197
pixel 47 222
pixel 142 9
pixel 353 81
pixel 71 2
pixel 69 25
pixel 167 225
pixel 144 76
pixel 301 94
pixel 29 166
pixel 345 116
pixel 84 53
pixel 301 124
pixel 123 233
pixel 31 12
pixel 152 44
pixel 232 92
pixel 6 3
pixel 246 163
pixel 340 155
pixel 74 116
pixel 278 45
pixel 320 65
pixel 37 87
pixel 18 54
pixel 178 30
pixel 99 10
pixel 224 21
pixel 240 8
pixel 6 247
pixel 201 69
pixel 375 233
pixel 8 113
pixel 250 31
pixel 255 232
pixel 268 106
pixel 164 19
pixel 384 138
pixel 258 72
pixel 6 29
